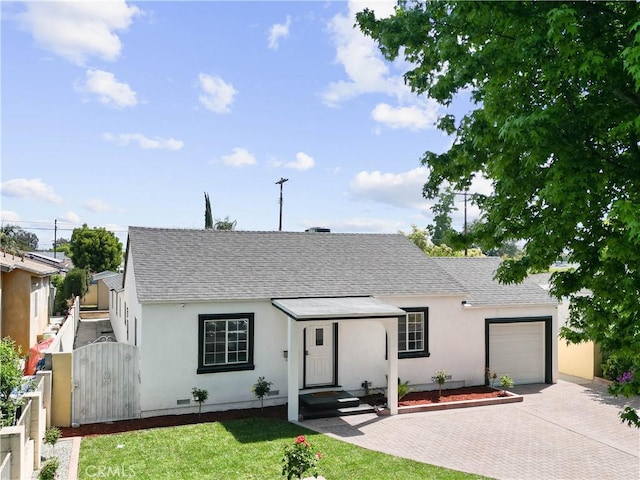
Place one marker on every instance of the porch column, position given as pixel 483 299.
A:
pixel 293 368
pixel 391 326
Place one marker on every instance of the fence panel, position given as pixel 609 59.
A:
pixel 106 382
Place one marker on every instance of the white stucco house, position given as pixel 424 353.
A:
pixel 218 309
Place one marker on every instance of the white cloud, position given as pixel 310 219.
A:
pixel 241 157
pixel 29 188
pixel 412 117
pixel 155 143
pixel 9 216
pixel 301 163
pixel 108 90
pixel 402 190
pixel 278 31
pixel 366 69
pixel 217 95
pixel 79 30
pixel 97 205
pixel 70 217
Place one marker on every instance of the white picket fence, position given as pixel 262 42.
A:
pixel 20 445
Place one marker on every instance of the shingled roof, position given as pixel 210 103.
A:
pixel 201 265
pixel 476 275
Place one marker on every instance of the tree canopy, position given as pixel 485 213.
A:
pixel 14 239
pixel 96 249
pixel 555 126
pixel 225 223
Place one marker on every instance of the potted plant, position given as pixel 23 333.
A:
pixel 260 389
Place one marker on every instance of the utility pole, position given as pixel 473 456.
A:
pixel 281 182
pixel 55 237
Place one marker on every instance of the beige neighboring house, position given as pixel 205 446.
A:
pixel 25 297
pixel 98 293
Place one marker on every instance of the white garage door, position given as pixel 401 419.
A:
pixel 517 349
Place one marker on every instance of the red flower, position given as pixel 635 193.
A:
pixel 301 439
pixel 319 455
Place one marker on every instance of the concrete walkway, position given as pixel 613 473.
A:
pixel 89 330
pixel 563 431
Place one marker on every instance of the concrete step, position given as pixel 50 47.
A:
pixel 309 414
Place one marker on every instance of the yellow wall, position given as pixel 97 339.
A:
pixel 16 307
pixel 103 296
pixel 62 366
pixel 579 360
pixel 91 297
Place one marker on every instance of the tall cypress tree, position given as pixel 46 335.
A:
pixel 208 217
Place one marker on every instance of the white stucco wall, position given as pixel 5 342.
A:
pixel 169 358
pixel 168 342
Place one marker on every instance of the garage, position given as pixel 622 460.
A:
pixel 519 348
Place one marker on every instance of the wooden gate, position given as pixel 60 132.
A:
pixel 106 382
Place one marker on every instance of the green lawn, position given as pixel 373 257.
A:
pixel 238 449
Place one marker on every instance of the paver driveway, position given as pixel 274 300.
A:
pixel 562 431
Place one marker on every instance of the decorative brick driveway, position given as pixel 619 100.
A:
pixel 562 431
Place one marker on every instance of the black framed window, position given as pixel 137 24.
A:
pixel 413 333
pixel 225 342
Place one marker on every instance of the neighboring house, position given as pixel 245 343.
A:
pixel 26 298
pixel 218 309
pixel 56 259
pixel 98 293
pixel 583 359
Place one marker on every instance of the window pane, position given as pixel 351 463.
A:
pixel 319 337
pixel 411 332
pixel 225 341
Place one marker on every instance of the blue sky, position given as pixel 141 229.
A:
pixel 125 113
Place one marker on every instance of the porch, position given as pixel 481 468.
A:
pixel 325 315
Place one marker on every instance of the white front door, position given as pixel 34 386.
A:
pixel 319 355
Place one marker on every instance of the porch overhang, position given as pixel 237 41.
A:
pixel 336 308
pixel 300 310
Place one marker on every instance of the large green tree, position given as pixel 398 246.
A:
pixel 555 125
pixel 96 249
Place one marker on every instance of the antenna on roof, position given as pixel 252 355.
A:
pixel 281 182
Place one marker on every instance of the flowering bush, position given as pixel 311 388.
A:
pixel 299 459
pixel 628 385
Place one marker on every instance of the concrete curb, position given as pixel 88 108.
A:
pixel 72 472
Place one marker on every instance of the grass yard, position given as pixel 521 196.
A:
pixel 237 449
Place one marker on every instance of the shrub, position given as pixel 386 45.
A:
pixel 260 389
pixel 11 380
pixel 299 459
pixel 403 388
pixel 506 381
pixel 440 378
pixel 615 365
pixel 49 469
pixel 51 437
pixel 200 395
